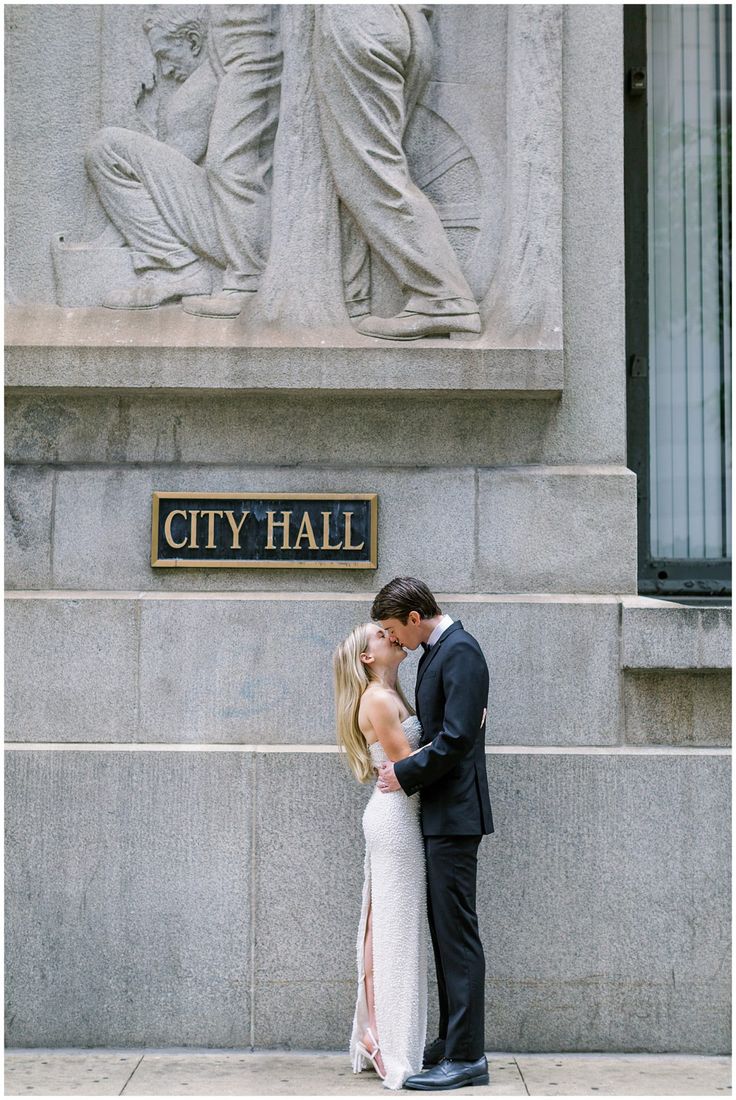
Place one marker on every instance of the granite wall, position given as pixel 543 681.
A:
pixel 184 851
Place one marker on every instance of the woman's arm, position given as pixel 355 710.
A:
pixel 381 711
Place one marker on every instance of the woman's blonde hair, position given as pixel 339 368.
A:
pixel 351 678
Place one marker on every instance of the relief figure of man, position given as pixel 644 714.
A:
pixel 155 190
pixel 371 63
pixel 246 54
pixel 202 190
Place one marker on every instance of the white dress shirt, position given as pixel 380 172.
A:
pixel 440 629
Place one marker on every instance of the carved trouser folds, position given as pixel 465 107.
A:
pixel 371 63
pixel 158 199
pixel 245 51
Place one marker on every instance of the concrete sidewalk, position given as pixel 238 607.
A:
pixel 197 1072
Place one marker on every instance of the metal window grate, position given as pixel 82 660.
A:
pixel 678 229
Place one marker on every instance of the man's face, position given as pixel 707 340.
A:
pixel 382 647
pixel 177 57
pixel 407 634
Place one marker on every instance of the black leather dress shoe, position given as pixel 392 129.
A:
pixel 450 1075
pixel 434 1052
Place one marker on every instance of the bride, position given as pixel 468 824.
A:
pixel 375 723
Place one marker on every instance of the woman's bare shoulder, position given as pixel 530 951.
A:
pixel 378 704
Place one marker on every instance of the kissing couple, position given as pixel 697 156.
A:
pixel 420 852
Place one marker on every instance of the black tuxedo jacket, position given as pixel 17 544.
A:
pixel 450 771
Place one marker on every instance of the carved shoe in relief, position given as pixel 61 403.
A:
pixel 157 291
pixel 415 326
pixel 228 303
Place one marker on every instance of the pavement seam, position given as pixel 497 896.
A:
pixel 521 1074
pixel 135 1067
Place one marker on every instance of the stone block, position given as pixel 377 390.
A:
pixel 221 428
pixel 56 1073
pixel 309 876
pixel 677 708
pixel 605 924
pixel 103 528
pixel 71 671
pixel 28 526
pixel 552 666
pixel 536 531
pixel 624 1074
pixel 49 428
pixel 657 634
pixel 557 529
pixel 128 898
pixel 250 671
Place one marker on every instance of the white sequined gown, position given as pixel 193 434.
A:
pixel 395 885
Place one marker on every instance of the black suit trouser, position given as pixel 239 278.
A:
pixel 452 864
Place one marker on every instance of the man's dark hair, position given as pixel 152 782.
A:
pixel 402 595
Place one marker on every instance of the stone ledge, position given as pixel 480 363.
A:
pixel 262 595
pixel 656 634
pixel 54 349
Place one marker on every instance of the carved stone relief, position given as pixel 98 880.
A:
pixel 392 168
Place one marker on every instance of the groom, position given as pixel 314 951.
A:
pixel 450 771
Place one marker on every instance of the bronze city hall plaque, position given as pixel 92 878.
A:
pixel 274 530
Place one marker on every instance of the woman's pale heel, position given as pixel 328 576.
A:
pixel 371 1055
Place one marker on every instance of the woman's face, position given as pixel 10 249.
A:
pixel 380 647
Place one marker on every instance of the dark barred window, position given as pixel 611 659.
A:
pixel 677 69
